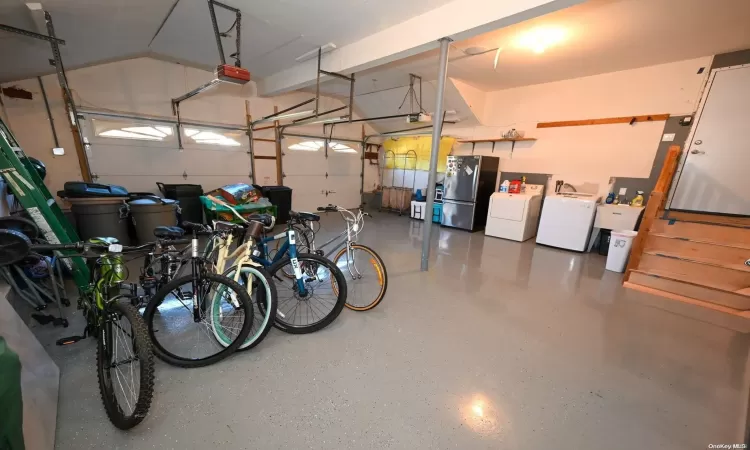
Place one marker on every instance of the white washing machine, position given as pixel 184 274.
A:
pixel 567 219
pixel 514 216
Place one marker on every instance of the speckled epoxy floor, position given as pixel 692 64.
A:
pixel 500 346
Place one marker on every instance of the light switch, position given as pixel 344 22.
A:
pixel 58 151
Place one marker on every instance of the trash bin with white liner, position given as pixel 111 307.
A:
pixel 620 243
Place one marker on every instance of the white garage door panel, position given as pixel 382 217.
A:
pixel 345 191
pixel 138 165
pixel 305 197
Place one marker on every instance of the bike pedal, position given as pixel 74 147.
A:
pixel 69 340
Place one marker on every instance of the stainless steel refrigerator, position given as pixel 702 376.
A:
pixel 469 183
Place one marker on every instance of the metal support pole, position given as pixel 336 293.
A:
pixel 49 113
pixel 351 99
pixel 437 130
pixel 317 81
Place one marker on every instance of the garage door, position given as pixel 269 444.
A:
pixel 317 179
pixel 138 154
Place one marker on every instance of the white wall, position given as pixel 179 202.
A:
pixel 146 86
pixel 587 154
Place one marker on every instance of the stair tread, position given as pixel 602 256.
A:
pixel 676 277
pixel 682 298
pixel 702 241
pixel 693 259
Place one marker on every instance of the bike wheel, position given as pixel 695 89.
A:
pixel 125 363
pixel 186 339
pixel 264 297
pixel 303 246
pixel 365 275
pixel 323 301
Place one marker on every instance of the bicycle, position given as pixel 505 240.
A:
pixel 375 281
pixel 122 339
pixel 246 272
pixel 217 306
pixel 304 303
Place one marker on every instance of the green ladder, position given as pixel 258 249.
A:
pixel 33 195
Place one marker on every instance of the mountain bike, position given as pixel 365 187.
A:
pixel 246 272
pixel 364 269
pixel 199 318
pixel 311 289
pixel 124 356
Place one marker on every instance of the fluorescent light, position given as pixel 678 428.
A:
pixel 34 6
pixel 329 47
pixel 540 38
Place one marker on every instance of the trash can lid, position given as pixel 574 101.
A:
pixel 95 200
pixel 624 233
pixel 145 201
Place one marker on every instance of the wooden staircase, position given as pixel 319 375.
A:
pixel 697 259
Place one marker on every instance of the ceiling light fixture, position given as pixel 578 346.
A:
pixel 329 47
pixel 540 38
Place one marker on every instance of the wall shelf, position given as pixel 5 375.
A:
pixel 513 141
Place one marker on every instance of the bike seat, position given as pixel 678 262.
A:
pixel 266 220
pixel 164 232
pixel 305 216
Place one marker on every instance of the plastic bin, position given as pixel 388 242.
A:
pixel 151 212
pixel 101 217
pixel 281 198
pixel 189 198
pixel 437 212
pixel 620 243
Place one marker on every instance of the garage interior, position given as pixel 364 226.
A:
pixel 589 285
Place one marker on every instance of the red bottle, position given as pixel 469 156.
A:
pixel 515 187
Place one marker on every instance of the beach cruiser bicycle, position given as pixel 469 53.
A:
pixel 311 290
pixel 364 269
pixel 240 267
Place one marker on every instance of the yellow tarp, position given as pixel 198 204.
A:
pixel 422 145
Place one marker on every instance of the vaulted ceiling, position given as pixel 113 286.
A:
pixel 274 32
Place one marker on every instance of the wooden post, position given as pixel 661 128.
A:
pixel 655 204
pixel 277 135
pixel 83 160
pixel 251 149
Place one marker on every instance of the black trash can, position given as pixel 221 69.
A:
pixel 189 197
pixel 604 236
pixel 281 197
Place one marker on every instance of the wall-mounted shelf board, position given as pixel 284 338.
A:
pixel 605 121
pixel 513 141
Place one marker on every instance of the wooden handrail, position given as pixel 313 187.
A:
pixel 655 204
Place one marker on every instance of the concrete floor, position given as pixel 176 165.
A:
pixel 500 345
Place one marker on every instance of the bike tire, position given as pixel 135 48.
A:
pixel 382 274
pixel 313 260
pixel 266 301
pixel 167 356
pixel 142 349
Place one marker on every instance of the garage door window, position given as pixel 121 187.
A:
pixel 314 146
pixel 120 129
pixel 213 137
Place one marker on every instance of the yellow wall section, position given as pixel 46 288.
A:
pixel 422 145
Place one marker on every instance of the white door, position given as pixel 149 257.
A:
pixel 138 154
pixel 317 180
pixel 715 175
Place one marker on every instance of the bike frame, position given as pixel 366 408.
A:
pixel 290 247
pixel 353 227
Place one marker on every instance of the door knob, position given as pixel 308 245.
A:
pixel 697 152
